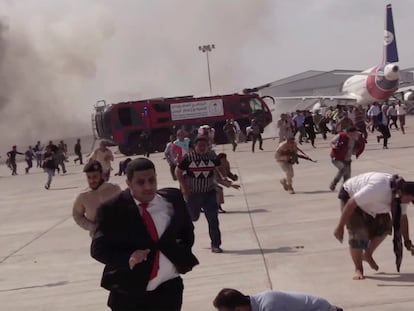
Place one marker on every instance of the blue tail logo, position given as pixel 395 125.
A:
pixel 390 42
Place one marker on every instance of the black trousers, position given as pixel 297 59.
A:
pixel 257 137
pixel 166 297
pixel 385 133
pixel 13 167
pixel 172 171
pixel 79 158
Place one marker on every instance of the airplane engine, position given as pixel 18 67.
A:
pixel 409 96
pixel 392 72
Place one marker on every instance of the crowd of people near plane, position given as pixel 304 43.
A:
pixel 336 119
pixel 350 126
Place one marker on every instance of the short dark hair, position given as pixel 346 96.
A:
pixel 92 166
pixel 230 298
pixel 201 138
pixel 137 165
pixel 222 155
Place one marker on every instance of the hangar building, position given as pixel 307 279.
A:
pixel 313 83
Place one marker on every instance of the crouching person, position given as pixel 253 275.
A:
pixel 229 299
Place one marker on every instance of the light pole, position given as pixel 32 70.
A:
pixel 206 49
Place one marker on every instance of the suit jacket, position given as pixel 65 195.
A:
pixel 121 230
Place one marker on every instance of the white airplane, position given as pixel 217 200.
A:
pixel 376 84
pixel 380 82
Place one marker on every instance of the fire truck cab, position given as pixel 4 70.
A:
pixel 123 123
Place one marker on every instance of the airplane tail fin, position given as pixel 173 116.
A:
pixel 390 54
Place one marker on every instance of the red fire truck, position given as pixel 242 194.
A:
pixel 123 123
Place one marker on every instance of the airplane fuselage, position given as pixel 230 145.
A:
pixel 375 84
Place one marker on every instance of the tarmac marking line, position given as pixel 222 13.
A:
pixel 254 229
pixel 34 239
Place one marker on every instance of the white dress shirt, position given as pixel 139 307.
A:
pixel 161 212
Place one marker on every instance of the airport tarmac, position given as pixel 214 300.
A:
pixel 271 239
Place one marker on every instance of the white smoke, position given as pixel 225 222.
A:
pixel 55 64
pixel 45 62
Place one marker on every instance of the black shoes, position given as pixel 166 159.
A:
pixel 216 250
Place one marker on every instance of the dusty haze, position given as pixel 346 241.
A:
pixel 57 61
pixel 58 57
pixel 44 63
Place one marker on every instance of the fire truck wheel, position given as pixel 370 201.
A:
pixel 125 150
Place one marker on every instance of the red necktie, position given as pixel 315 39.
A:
pixel 152 230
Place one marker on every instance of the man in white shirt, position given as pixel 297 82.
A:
pixel 372 113
pixel 229 299
pixel 401 112
pixel 239 133
pixel 366 202
pixel 392 116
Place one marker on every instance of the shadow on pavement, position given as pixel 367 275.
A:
pixel 258 210
pixel 63 188
pixel 393 277
pixel 283 249
pixel 314 192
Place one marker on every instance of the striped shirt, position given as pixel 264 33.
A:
pixel 200 171
pixel 359 117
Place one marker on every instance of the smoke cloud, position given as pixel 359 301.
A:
pixel 45 62
pixel 56 62
pixel 58 57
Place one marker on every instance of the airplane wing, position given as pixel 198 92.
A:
pixel 358 73
pixel 404 89
pixel 320 97
pixel 405 93
pixel 310 102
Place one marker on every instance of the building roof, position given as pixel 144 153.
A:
pixel 306 75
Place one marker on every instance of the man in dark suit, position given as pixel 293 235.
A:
pixel 144 238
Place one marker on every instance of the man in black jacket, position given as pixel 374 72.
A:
pixel 144 238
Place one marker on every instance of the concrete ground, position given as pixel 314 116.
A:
pixel 271 239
